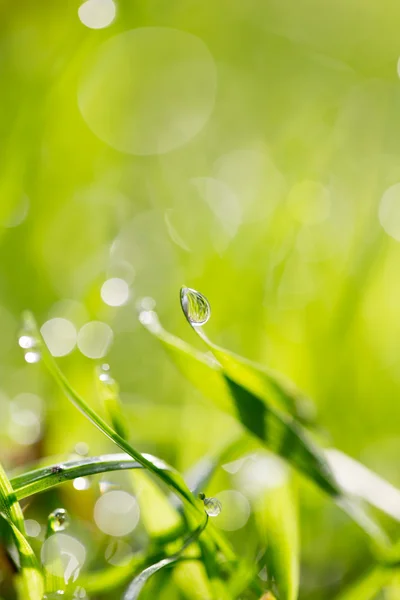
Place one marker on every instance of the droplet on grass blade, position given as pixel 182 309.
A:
pixel 212 507
pixel 105 378
pixel 29 342
pixel 195 306
pixel 58 520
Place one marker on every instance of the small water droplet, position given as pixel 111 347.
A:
pixel 29 342
pixel 33 356
pixel 212 506
pixel 104 375
pixel 58 520
pixel 195 306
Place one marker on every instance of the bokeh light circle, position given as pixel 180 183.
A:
pixel 157 87
pixel 115 291
pixel 116 513
pixel 235 510
pixel 59 335
pixel 94 339
pixel 97 14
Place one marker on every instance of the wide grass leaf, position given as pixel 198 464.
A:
pixel 279 431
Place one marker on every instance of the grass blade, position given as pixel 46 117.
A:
pixel 31 585
pixel 368 586
pixel 158 467
pixel 278 431
pixel 40 480
pixel 136 586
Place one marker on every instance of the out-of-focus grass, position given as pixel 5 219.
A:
pixel 271 209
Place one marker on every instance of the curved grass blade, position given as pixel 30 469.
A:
pixel 40 480
pixel 31 586
pixel 279 431
pixel 136 586
pixel 10 510
pixel 108 391
pixel 9 503
pixel 162 470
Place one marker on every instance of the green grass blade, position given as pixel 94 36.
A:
pixel 279 431
pixel 108 391
pixel 368 586
pixel 40 480
pixel 277 519
pixel 163 471
pixel 31 585
pixel 136 586
pixel 158 467
pixel 31 578
pixel 9 503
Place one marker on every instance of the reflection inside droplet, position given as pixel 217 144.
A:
pixel 212 506
pixel 58 520
pixel 195 306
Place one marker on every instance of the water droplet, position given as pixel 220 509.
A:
pixel 105 377
pixel 195 306
pixel 58 520
pixel 213 507
pixel 29 341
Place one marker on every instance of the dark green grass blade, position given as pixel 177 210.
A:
pixel 279 431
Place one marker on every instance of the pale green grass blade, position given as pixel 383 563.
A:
pixel 277 518
pixel 368 586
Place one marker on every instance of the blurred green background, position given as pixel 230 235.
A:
pixel 250 150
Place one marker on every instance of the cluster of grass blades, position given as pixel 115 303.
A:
pixel 273 414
